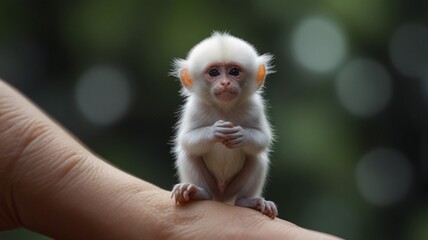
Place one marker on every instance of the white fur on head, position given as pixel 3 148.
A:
pixel 220 48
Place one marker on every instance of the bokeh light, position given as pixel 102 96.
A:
pixel 364 87
pixel 318 44
pixel 103 95
pixel 409 49
pixel 384 176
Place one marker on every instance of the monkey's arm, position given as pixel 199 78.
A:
pixel 198 141
pixel 255 141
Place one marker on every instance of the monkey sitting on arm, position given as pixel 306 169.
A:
pixel 223 136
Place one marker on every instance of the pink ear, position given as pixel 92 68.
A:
pixel 260 78
pixel 185 79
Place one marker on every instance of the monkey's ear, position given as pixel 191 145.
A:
pixel 261 75
pixel 185 78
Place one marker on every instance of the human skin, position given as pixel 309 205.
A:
pixel 51 184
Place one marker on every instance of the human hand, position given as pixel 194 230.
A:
pixel 51 184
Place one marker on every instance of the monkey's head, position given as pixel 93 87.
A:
pixel 222 68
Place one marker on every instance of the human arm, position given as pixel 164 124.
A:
pixel 51 184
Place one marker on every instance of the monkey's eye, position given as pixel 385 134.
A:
pixel 213 72
pixel 234 71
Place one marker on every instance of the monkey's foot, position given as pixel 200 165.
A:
pixel 268 208
pixel 184 192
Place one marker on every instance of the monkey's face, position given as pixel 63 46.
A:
pixel 225 81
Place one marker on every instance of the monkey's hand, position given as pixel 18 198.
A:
pixel 230 135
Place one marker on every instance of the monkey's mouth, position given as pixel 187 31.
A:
pixel 226 95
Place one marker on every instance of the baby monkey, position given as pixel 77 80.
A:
pixel 223 136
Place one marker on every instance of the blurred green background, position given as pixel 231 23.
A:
pixel 349 100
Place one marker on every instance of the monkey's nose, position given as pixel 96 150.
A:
pixel 225 83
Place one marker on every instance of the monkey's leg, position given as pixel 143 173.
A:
pixel 196 181
pixel 248 185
